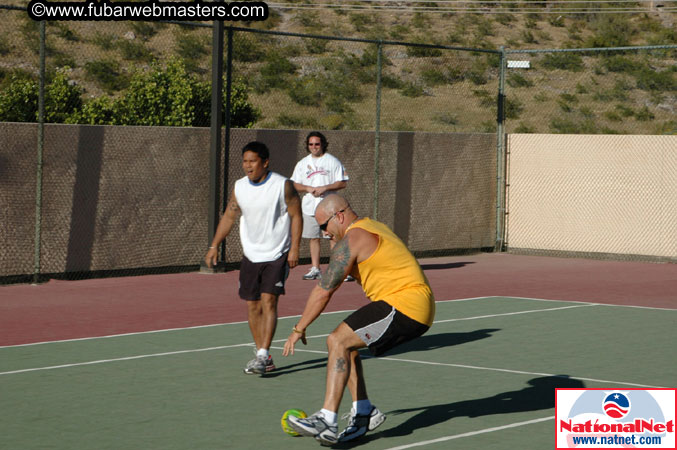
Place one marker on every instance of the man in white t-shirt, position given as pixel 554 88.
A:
pixel 269 209
pixel 318 175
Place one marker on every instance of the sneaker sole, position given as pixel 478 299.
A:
pixel 269 368
pixel 376 421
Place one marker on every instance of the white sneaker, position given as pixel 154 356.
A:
pixel 313 274
pixel 359 425
pixel 316 427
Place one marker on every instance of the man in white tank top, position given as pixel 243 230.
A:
pixel 270 231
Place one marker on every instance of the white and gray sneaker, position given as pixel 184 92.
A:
pixel 360 424
pixel 259 365
pixel 313 274
pixel 315 426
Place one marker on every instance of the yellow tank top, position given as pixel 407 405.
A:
pixel 392 274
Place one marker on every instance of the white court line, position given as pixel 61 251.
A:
pixel 588 303
pixel 126 358
pixel 472 433
pixel 516 312
pixel 492 369
pixel 281 318
pixel 212 325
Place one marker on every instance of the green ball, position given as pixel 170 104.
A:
pixel 285 425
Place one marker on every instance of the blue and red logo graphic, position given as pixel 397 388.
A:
pixel 616 405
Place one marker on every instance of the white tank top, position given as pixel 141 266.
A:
pixel 265 226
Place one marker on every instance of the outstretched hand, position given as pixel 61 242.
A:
pixel 293 338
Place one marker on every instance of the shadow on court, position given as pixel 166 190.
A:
pixel 305 365
pixel 444 266
pixel 441 340
pixel 540 395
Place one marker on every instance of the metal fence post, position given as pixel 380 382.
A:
pixel 229 94
pixel 500 153
pixel 377 127
pixel 215 129
pixel 41 142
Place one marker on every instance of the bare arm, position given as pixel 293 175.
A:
pixel 230 215
pixel 302 187
pixel 340 263
pixel 291 198
pixel 318 191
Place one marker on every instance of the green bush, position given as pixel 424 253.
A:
pixel 62 99
pixel 167 96
pixel 248 47
pixel 306 90
pixel 652 80
pixel 620 63
pixel 422 52
pixel 610 30
pixel 105 41
pixel 412 90
pixel 66 33
pixel 145 30
pixel 5 46
pixel 107 74
pixel 565 61
pixel 517 80
pixel 274 72
pixel 134 51
pixel 296 121
pixel 504 19
pixel 361 22
pixel 191 46
pixel 97 111
pixel 569 126
pixel 513 108
pixel 19 98
pixel 316 46
pixel 433 77
pixel 644 115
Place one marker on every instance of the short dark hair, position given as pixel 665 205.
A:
pixel 323 140
pixel 257 147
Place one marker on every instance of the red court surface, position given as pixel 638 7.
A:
pixel 60 310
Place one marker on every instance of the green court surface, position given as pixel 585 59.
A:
pixel 483 377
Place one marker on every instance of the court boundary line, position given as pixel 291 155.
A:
pixel 165 330
pixel 472 433
pixel 197 327
pixel 578 301
pixel 387 358
pixel 491 369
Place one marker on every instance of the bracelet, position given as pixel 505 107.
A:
pixel 296 330
pixel 212 247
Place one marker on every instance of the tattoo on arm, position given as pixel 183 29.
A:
pixel 339 263
pixel 233 206
pixel 340 365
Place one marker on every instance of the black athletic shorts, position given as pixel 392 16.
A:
pixel 267 277
pixel 382 327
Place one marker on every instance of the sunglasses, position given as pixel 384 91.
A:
pixel 323 227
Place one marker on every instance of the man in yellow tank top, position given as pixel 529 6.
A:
pixel 402 307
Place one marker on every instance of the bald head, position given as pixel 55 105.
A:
pixel 332 203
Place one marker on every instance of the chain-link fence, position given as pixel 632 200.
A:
pixel 407 119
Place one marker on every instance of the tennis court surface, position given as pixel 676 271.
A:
pixel 127 363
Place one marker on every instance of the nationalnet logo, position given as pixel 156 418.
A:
pixel 608 419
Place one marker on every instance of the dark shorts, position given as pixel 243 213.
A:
pixel 266 277
pixel 382 327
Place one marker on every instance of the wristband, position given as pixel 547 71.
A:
pixel 211 247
